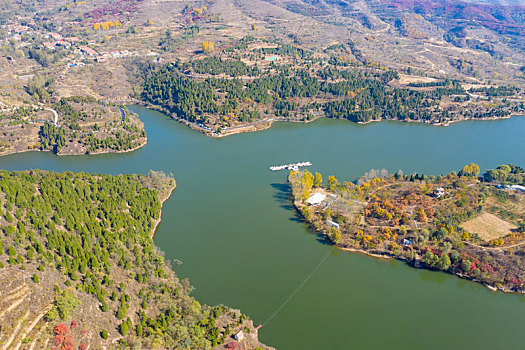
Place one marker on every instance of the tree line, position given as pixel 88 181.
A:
pixel 357 95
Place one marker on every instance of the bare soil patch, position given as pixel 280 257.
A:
pixel 407 79
pixel 488 226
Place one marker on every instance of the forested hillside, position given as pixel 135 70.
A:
pixel 220 93
pixel 78 267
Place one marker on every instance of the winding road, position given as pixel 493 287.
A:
pixel 54 113
pixel 502 248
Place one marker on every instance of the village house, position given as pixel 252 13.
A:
pixel 48 45
pixel 115 54
pixel 517 188
pixel 88 51
pixel 63 43
pixel 332 224
pixel 438 192
pixel 315 199
pixel 55 36
pixel 239 336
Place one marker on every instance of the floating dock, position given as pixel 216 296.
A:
pixel 294 166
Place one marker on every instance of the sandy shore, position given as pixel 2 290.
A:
pixel 381 256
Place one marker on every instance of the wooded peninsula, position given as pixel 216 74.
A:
pixel 79 268
pixel 469 225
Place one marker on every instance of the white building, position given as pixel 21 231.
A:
pixel 333 224
pixel 316 199
pixel 517 188
pixel 239 336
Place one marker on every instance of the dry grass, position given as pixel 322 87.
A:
pixel 514 205
pixel 488 226
pixel 407 79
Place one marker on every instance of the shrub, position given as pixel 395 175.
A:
pixel 124 328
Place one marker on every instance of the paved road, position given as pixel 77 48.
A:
pixel 54 113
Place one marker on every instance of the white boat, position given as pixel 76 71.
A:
pixel 294 167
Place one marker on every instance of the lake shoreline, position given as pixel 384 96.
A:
pixel 314 217
pixel 162 200
pixel 386 256
pixel 268 123
pixel 142 144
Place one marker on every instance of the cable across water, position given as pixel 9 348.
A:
pixel 298 288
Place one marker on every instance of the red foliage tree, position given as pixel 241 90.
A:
pixel 61 329
pixel 63 338
pixel 68 344
pixel 58 339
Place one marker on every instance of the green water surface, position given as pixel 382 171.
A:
pixel 241 244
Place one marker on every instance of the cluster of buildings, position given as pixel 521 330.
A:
pixel 19 29
pixel 58 41
pixel 103 57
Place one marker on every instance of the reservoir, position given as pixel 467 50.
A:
pixel 231 224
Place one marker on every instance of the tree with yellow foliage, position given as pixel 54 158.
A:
pixel 332 182
pixel 470 170
pixel 422 216
pixel 307 183
pixel 318 180
pixel 497 242
pixel 334 235
pixel 208 46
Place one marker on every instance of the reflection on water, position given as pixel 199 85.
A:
pixel 231 222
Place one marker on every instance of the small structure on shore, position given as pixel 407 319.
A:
pixel 512 187
pixel 239 336
pixel 332 224
pixel 439 192
pixel 517 187
pixel 316 199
